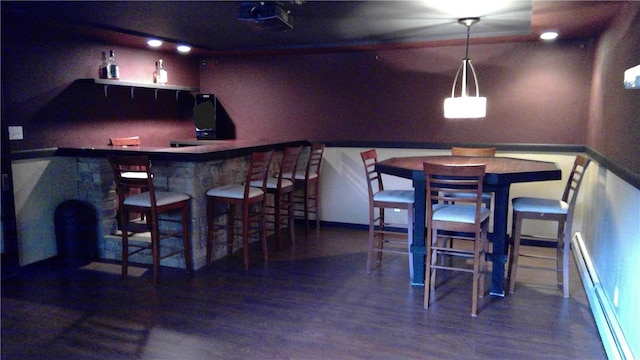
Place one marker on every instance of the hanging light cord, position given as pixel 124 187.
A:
pixel 466 53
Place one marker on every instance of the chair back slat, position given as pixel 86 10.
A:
pixel 463 151
pixel 315 159
pixel 374 180
pixel 258 171
pixel 289 164
pixel 575 180
pixel 132 172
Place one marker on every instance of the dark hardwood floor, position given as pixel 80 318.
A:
pixel 313 300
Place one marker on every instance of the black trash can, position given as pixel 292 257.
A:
pixel 76 232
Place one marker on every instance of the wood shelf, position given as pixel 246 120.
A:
pixel 137 85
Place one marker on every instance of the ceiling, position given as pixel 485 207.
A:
pixel 212 27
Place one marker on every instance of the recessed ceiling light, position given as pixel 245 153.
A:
pixel 154 43
pixel 549 35
pixel 184 48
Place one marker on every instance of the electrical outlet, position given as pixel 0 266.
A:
pixel 15 133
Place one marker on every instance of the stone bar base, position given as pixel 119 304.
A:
pixel 96 186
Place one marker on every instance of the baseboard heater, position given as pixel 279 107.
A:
pixel 613 338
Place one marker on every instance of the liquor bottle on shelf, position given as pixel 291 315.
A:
pixel 113 71
pixel 104 66
pixel 160 75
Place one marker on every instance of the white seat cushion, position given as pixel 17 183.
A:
pixel 286 175
pixel 162 198
pixel 300 175
pixel 234 191
pixel 548 206
pixel 273 183
pixel 458 213
pixel 399 196
pixel 255 183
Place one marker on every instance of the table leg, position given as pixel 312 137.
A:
pixel 418 249
pixel 499 253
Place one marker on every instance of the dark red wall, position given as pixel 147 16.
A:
pixel 537 93
pixel 41 91
pixel 614 120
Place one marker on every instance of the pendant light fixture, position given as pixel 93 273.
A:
pixel 465 106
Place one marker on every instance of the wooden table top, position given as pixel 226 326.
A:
pixel 499 170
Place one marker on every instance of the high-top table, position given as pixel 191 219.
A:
pixel 500 173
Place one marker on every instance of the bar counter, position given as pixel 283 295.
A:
pixel 185 150
pixel 188 166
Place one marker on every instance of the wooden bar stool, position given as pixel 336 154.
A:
pixel 467 215
pixel 487 197
pixel 309 181
pixel 281 187
pixel 560 211
pixel 250 197
pixel 134 172
pixel 382 199
pixel 483 152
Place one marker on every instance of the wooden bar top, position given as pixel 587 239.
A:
pixel 185 150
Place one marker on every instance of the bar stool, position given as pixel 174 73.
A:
pixel 487 197
pixel 560 211
pixel 484 152
pixel 281 187
pixel 386 199
pixel 151 204
pixel 250 197
pixel 309 181
pixel 467 215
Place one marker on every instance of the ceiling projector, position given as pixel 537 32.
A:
pixel 270 15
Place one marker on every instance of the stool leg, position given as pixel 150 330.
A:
pixel 124 221
pixel 290 217
pixel 276 218
pixel 316 203
pixel 410 239
pixel 125 254
pixel 566 246
pixel 245 235
pixel 477 244
pixel 155 247
pixel 380 235
pixel 263 229
pixel 210 221
pixel 186 238
pixel 559 251
pixel 483 262
pixel 306 208
pixel 371 237
pixel 513 264
pixel 429 275
pixel 231 228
